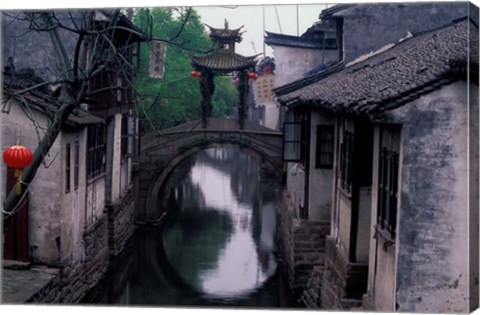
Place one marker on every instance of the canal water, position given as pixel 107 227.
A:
pixel 216 245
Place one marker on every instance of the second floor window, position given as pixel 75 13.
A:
pixel 96 150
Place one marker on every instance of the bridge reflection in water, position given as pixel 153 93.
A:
pixel 218 244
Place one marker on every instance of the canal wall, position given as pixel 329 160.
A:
pixel 302 245
pixel 121 216
pixel 342 281
pixel 103 241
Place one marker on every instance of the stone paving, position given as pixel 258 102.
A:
pixel 20 281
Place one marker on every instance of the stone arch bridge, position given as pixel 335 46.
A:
pixel 160 153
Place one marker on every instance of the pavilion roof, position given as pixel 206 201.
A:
pixel 225 34
pixel 223 60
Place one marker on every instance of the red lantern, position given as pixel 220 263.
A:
pixel 18 157
pixel 252 75
pixel 196 74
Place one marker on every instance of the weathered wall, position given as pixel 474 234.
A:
pixel 364 216
pixel 296 186
pixel 369 27
pixel 340 279
pixel 345 214
pixel 45 191
pixel 432 264
pixel 474 195
pixel 321 179
pixel 77 279
pixel 302 245
pixel 120 222
pixel 382 263
pixel 272 116
pixel 291 63
pixel 115 178
pixel 73 202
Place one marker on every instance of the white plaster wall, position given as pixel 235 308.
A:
pixel 45 191
pixel 320 179
pixel 474 194
pixel 296 185
pixel 364 217
pixel 125 175
pixel 116 160
pixel 272 116
pixel 345 214
pixel 74 202
pixel 291 63
pixel 95 199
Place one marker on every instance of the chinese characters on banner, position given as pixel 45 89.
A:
pixel 157 58
pixel 263 89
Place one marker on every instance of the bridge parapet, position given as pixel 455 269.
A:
pixel 160 154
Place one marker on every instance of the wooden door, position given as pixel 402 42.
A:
pixel 16 236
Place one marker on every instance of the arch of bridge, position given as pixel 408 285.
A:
pixel 161 155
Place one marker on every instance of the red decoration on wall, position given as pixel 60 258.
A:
pixel 18 157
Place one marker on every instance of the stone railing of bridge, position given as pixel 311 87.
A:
pixel 160 153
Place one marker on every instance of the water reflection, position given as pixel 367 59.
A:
pixel 221 237
pixel 217 247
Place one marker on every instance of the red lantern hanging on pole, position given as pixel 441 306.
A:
pixel 18 157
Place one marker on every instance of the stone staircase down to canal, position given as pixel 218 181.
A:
pixel 302 243
pixel 311 296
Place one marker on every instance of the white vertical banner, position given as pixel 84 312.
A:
pixel 263 89
pixel 157 59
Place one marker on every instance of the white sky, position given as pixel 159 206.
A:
pixel 254 17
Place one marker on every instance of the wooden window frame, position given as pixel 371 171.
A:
pixel 67 167
pixel 346 161
pixel 325 146
pixel 292 137
pixel 388 191
pixel 76 165
pixel 96 150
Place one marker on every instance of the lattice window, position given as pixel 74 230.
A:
pixel 388 191
pixel 96 150
pixel 324 150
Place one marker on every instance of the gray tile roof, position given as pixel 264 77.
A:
pixel 391 78
pixel 300 41
pixel 40 100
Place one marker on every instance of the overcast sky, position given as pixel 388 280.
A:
pixel 275 18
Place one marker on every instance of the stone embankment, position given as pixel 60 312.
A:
pixel 67 284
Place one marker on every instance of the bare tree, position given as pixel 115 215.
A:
pixel 80 55
pixel 87 47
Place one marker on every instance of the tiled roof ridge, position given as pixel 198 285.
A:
pixel 298 41
pixel 368 85
pixel 327 13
